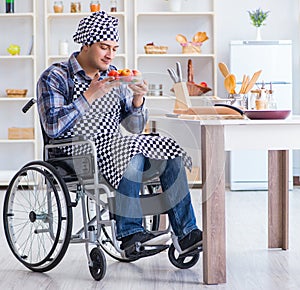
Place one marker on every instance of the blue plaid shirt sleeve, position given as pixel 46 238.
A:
pixel 57 112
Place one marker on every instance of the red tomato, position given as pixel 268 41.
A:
pixel 114 73
pixel 203 84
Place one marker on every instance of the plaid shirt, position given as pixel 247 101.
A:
pixel 59 112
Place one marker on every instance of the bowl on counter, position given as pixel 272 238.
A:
pixel 267 114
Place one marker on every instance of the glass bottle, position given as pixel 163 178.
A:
pixel 272 103
pixel 95 6
pixel 10 6
pixel 113 5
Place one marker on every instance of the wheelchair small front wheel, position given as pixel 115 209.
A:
pixel 98 269
pixel 183 261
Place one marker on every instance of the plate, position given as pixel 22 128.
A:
pixel 267 114
pixel 129 80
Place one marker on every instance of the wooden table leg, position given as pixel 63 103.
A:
pixel 213 204
pixel 278 198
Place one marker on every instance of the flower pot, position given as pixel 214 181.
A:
pixel 258 33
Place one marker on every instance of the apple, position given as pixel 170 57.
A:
pixel 203 84
pixel 126 74
pixel 14 49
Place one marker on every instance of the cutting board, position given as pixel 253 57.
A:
pixel 207 111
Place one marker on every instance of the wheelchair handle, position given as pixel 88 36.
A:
pixel 28 105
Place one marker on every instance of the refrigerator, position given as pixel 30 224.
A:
pixel 248 169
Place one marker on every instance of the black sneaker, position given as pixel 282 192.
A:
pixel 193 238
pixel 141 237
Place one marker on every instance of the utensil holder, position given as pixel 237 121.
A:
pixel 182 96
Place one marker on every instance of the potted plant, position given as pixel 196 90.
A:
pixel 258 18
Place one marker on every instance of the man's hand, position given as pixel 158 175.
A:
pixel 98 89
pixel 139 91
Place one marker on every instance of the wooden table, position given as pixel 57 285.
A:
pixel 217 137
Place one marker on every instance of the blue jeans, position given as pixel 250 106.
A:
pixel 176 196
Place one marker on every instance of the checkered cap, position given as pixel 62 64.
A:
pixel 97 27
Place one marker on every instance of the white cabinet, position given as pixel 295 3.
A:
pixel 60 27
pixel 17 72
pixel 153 22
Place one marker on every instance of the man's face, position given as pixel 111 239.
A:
pixel 101 54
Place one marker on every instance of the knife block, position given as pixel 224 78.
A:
pixel 182 96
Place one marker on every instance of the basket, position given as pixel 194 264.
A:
pixel 153 49
pixel 190 49
pixel 13 93
pixel 196 90
pixel 20 133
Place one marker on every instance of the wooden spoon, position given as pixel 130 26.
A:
pixel 252 81
pixel 230 83
pixel 224 69
pixel 244 84
pixel 181 38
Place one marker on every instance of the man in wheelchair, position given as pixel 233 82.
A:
pixel 77 97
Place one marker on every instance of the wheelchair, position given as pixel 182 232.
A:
pixel 38 212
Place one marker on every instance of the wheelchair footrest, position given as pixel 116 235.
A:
pixel 191 253
pixel 139 251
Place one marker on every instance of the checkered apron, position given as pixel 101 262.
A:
pixel 114 151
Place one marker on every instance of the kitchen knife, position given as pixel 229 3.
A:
pixel 179 71
pixel 172 75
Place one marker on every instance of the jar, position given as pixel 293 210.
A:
pixel 251 100
pixel 113 5
pixel 95 6
pixel 58 7
pixel 261 100
pixel 75 7
pixel 155 90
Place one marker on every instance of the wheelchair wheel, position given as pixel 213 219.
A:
pixel 183 261
pixel 37 216
pixel 98 269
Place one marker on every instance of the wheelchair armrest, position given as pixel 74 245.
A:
pixel 67 140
